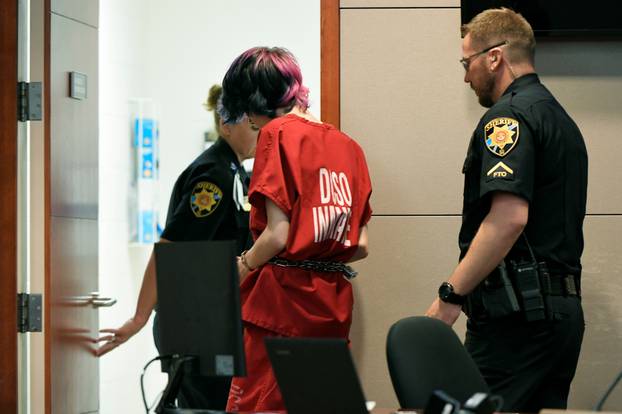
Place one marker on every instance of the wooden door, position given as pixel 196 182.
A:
pixel 73 201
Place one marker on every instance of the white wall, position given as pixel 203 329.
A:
pixel 171 52
pixel 191 48
pixel 123 36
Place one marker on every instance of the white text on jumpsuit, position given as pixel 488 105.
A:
pixel 331 220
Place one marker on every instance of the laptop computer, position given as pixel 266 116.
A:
pixel 316 375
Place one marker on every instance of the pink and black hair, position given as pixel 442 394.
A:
pixel 260 81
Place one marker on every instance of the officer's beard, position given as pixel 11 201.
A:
pixel 484 95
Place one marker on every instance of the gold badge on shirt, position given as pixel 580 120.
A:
pixel 501 135
pixel 205 198
pixel 246 205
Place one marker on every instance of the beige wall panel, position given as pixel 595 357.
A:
pixel 85 11
pixel 400 88
pixel 586 77
pixel 74 126
pixel 400 3
pixel 601 355
pixel 409 258
pixel 403 98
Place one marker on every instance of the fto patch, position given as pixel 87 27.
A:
pixel 500 170
pixel 205 198
pixel 501 135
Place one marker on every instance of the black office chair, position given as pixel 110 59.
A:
pixel 424 355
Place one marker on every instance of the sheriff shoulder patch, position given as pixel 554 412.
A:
pixel 500 170
pixel 501 135
pixel 205 198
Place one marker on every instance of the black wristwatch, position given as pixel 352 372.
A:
pixel 446 294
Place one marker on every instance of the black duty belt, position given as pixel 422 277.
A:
pixel 562 285
pixel 316 266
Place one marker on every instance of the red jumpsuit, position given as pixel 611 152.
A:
pixel 318 177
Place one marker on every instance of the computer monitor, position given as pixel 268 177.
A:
pixel 316 375
pixel 199 305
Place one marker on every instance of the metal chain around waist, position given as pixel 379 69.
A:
pixel 316 266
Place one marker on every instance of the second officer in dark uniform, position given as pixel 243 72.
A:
pixel 208 202
pixel 521 238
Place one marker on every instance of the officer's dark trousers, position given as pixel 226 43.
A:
pixel 197 391
pixel 530 364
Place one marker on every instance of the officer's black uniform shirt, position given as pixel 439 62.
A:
pixel 202 205
pixel 526 144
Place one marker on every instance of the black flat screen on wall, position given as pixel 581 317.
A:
pixel 594 18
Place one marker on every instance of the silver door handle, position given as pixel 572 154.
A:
pixel 99 302
pixel 103 302
pixel 92 299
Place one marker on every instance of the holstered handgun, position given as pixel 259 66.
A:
pixel 545 284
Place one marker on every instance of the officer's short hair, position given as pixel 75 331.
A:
pixel 497 25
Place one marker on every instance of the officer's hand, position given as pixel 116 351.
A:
pixel 446 312
pixel 117 336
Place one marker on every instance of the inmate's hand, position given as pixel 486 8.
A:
pixel 242 269
pixel 446 312
pixel 117 336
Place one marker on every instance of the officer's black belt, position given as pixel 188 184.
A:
pixel 316 266
pixel 562 285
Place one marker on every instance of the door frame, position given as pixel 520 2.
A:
pixel 8 207
pixel 330 69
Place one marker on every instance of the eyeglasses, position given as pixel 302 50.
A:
pixel 466 61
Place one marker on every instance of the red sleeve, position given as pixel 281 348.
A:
pixel 365 188
pixel 270 176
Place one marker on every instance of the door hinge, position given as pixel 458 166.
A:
pixel 29 312
pixel 29 101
